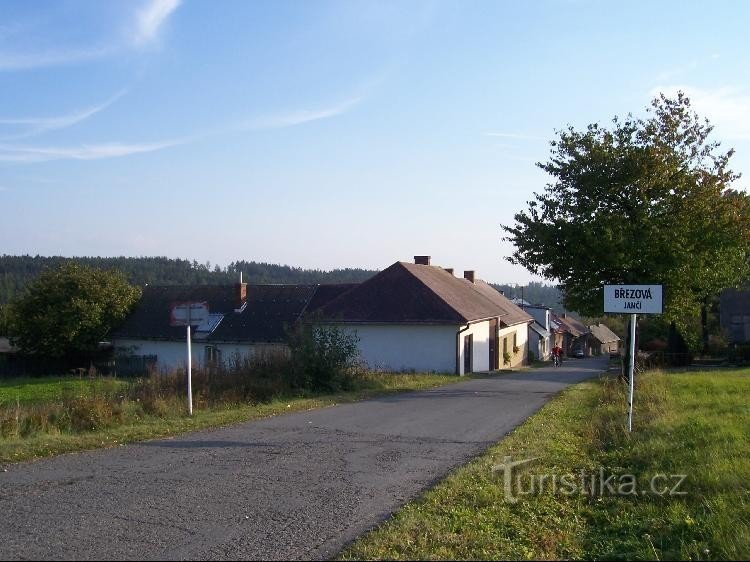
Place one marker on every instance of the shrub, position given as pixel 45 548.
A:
pixel 323 358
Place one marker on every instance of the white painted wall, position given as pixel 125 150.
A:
pixel 521 332
pixel 169 354
pixel 173 355
pixel 405 347
pixel 541 352
pixel 481 359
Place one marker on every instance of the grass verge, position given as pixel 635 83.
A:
pixel 695 423
pixel 135 424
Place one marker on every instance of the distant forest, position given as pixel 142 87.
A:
pixel 534 293
pixel 16 272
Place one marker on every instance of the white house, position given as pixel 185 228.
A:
pixel 244 321
pixel 540 331
pixel 419 317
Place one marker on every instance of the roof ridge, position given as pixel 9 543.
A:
pixel 453 308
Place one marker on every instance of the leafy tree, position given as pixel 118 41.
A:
pixel 645 201
pixel 69 310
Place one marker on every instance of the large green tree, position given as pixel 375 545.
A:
pixel 647 200
pixel 69 310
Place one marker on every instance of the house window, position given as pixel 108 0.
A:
pixel 515 340
pixel 212 355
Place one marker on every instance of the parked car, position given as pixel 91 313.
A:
pixel 579 353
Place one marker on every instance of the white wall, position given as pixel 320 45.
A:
pixel 169 354
pixel 172 355
pixel 521 332
pixel 481 355
pixel 407 347
pixel 541 353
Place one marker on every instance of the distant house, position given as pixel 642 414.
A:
pixel 244 321
pixel 571 334
pixel 734 313
pixel 602 340
pixel 407 317
pixel 540 331
pixel 416 316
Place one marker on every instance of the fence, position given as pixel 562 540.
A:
pixel 15 365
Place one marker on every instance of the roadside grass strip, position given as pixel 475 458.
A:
pixel 678 487
pixel 36 421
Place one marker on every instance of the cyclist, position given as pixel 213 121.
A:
pixel 556 355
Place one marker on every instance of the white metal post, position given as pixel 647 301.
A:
pixel 189 372
pixel 631 371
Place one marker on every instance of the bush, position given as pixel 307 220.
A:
pixel 323 358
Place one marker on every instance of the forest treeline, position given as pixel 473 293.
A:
pixel 16 272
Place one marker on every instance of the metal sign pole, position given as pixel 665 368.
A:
pixel 631 371
pixel 189 369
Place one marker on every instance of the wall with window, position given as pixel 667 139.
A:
pixel 514 340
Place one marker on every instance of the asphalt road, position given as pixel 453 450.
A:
pixel 294 486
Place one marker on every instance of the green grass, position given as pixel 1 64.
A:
pixel 694 423
pixel 133 423
pixel 50 389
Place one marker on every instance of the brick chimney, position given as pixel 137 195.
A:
pixel 240 292
pixel 469 275
pixel 449 270
pixel 422 260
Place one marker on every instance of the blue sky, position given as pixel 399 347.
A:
pixel 327 134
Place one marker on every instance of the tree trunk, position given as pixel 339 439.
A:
pixel 704 326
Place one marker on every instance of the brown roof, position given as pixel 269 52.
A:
pixel 571 325
pixel 603 333
pixel 269 311
pixel 150 318
pixel 410 293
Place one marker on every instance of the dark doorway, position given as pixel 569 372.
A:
pixel 494 349
pixel 468 353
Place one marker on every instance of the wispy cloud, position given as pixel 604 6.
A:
pixel 32 126
pixel 28 154
pixel 518 136
pixel 299 117
pixel 24 61
pixel 150 18
pixel 141 27
pixel 32 154
pixel 727 108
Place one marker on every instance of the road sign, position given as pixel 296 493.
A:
pixel 188 313
pixel 634 299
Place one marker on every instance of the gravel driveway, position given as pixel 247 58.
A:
pixel 294 486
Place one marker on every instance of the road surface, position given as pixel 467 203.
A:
pixel 294 486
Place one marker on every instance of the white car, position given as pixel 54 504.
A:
pixel 579 353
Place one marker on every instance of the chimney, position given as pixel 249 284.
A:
pixel 449 270
pixel 469 275
pixel 240 291
pixel 422 260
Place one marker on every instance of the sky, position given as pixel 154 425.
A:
pixel 328 134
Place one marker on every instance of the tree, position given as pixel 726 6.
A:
pixel 645 201
pixel 69 310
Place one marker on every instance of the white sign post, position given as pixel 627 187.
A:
pixel 187 314
pixel 633 299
